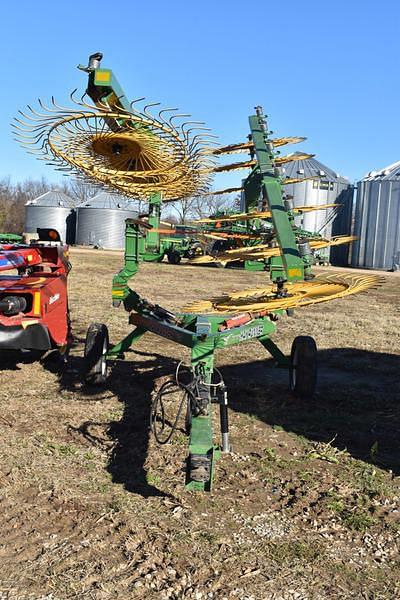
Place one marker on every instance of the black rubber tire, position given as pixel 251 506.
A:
pixel 174 257
pixel 96 348
pixel 303 367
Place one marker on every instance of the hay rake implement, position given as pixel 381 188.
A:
pixel 143 156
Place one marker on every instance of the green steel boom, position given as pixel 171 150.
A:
pixel 265 180
pixel 104 89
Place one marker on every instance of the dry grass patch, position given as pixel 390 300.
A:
pixel 307 504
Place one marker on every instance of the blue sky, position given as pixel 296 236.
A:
pixel 325 70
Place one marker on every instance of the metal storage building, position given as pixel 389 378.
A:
pixel 101 221
pixel 52 209
pixel 328 187
pixel 377 220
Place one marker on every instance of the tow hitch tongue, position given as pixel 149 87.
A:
pixel 12 305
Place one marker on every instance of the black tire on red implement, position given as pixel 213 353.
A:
pixel 95 357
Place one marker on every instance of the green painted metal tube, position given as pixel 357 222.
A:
pixel 272 191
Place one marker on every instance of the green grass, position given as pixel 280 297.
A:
pixel 352 516
pixel 153 478
pixel 270 454
pixel 293 551
pixel 357 519
pixel 179 439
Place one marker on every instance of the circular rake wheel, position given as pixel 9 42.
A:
pixel 301 293
pixel 130 151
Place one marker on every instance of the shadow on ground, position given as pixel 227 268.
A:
pixel 356 406
pixel 10 360
pixel 132 384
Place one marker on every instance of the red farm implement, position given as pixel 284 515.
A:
pixel 33 295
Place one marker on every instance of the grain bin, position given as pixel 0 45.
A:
pixel 52 209
pixel 327 187
pixel 101 221
pixel 377 220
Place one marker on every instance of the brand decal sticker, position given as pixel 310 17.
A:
pixel 252 332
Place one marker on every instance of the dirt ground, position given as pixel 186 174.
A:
pixel 305 507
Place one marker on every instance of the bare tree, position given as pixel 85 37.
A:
pixel 190 209
pixel 170 218
pixel 183 209
pixel 79 190
pixel 30 188
pixel 205 206
pixel 13 198
pixel 12 202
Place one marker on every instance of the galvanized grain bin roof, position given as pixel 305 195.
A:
pixel 377 220
pixel 389 173
pixel 52 209
pixel 327 187
pixel 101 220
pixel 312 168
pixel 107 201
pixel 53 198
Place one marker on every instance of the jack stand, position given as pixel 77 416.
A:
pixel 202 452
pixel 223 414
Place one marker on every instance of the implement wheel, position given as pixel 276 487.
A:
pixel 194 250
pixel 96 348
pixel 303 366
pixel 174 257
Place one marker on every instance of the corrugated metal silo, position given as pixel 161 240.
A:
pixel 377 220
pixel 328 187
pixel 101 221
pixel 52 209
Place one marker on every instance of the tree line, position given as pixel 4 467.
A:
pixel 14 196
